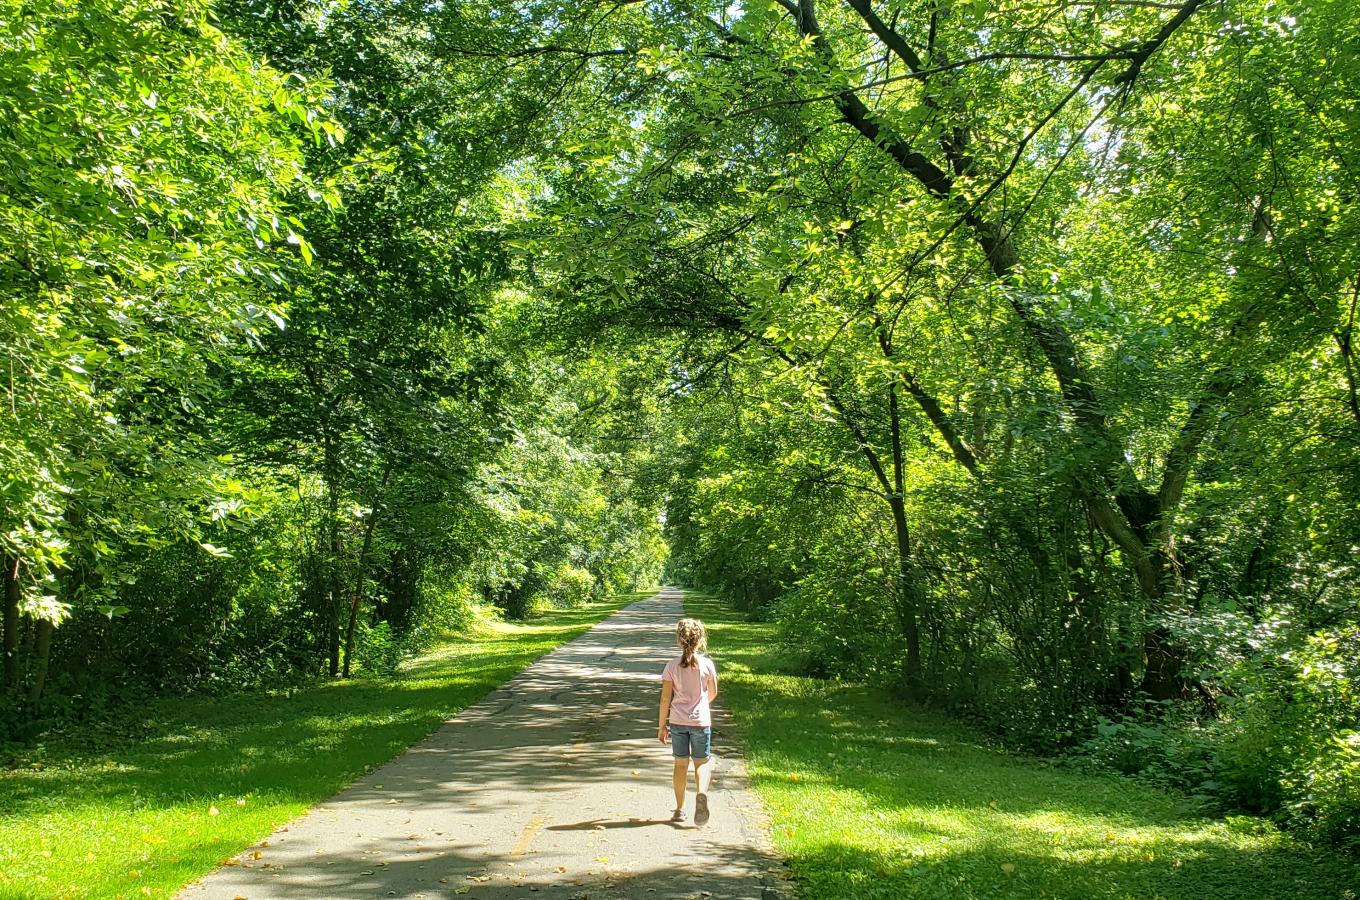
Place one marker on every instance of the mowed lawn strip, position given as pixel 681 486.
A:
pixel 872 799
pixel 210 776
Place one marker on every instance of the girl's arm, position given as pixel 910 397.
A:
pixel 666 690
pixel 713 684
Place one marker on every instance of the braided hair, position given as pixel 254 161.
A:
pixel 693 639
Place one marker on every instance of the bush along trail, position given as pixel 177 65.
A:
pixel 162 796
pixel 871 799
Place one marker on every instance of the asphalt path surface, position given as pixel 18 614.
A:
pixel 553 786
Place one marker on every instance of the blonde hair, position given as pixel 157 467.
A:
pixel 693 639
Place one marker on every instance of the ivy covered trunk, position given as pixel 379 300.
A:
pixel 42 651
pixel 361 572
pixel 908 599
pixel 335 589
pixel 11 621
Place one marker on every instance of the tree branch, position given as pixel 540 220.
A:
pixel 963 453
pixel 1110 521
pixel 890 38
pixel 850 421
pixel 1140 56
pixel 929 405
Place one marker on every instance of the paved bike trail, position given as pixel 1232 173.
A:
pixel 553 786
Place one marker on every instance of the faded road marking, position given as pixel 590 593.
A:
pixel 527 837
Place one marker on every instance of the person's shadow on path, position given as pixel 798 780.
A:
pixel 596 824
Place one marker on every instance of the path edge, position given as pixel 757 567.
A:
pixel 182 893
pixel 776 878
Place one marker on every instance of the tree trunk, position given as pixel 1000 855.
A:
pixel 1164 656
pixel 42 649
pixel 356 601
pixel 909 604
pixel 360 579
pixel 909 600
pixel 11 621
pixel 28 636
pixel 1164 678
pixel 893 485
pixel 332 612
pixel 1345 342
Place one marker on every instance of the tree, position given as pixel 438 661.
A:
pixel 880 191
pixel 147 163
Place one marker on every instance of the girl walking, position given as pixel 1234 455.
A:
pixel 688 685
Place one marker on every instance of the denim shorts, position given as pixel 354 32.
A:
pixel 690 741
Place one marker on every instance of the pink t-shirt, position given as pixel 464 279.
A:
pixel 695 687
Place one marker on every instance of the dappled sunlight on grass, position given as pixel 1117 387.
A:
pixel 872 799
pixel 204 777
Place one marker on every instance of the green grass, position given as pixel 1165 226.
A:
pixel 135 818
pixel 869 798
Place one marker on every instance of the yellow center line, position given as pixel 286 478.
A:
pixel 527 836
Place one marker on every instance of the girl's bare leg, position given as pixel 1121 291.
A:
pixel 678 779
pixel 703 769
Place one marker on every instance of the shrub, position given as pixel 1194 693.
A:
pixel 833 627
pixel 1321 785
pixel 1028 715
pixel 1287 742
pixel 570 586
pixel 376 649
pixel 1160 741
pixel 1254 752
pixel 444 604
pixel 1291 741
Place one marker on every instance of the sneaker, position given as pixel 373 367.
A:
pixel 700 809
pixel 678 816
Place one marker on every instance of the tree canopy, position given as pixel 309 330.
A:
pixel 1001 352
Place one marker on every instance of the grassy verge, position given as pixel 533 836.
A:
pixel 207 777
pixel 870 799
